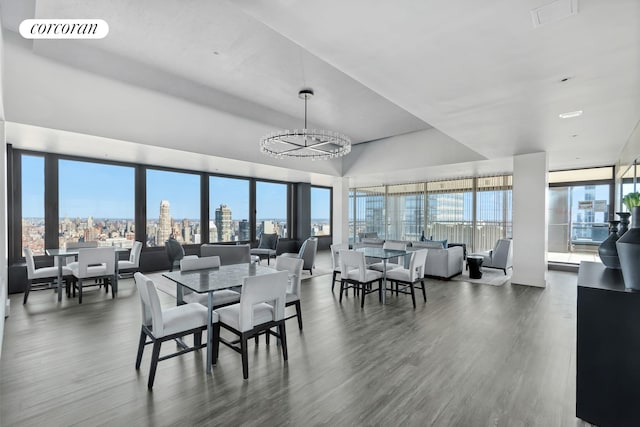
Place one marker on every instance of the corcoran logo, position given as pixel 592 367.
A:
pixel 64 29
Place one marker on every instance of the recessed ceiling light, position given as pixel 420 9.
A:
pixel 570 114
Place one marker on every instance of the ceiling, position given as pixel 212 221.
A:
pixel 471 78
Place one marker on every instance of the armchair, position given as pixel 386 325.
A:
pixel 175 251
pixel 267 246
pixel 500 257
pixel 307 253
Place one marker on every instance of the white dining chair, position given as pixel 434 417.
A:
pixel 95 263
pixel 354 274
pixel 160 325
pixel 399 261
pixel 261 308
pixel 220 298
pixel 404 278
pixel 41 275
pixel 131 265
pixel 294 267
pixel 335 260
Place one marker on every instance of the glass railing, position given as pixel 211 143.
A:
pixel 589 233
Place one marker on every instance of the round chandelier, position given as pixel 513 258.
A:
pixel 314 144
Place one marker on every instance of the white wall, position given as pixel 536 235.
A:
pixel 340 231
pixel 3 200
pixel 530 184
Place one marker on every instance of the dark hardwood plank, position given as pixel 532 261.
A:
pixel 472 355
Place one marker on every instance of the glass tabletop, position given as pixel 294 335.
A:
pixel 213 279
pixel 381 253
pixel 71 252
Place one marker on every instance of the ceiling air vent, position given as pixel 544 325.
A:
pixel 554 12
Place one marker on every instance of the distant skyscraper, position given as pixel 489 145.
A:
pixel 223 223
pixel 269 227
pixel 164 224
pixel 243 230
pixel 186 231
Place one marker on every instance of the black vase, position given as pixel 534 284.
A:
pixel 628 246
pixel 624 222
pixel 607 250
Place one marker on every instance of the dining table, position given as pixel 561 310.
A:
pixel 210 280
pixel 384 255
pixel 62 253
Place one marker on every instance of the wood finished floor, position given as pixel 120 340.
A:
pixel 473 355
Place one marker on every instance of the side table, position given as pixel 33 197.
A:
pixel 474 263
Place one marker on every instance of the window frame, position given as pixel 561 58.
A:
pixel 330 209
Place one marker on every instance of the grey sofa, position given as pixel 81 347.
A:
pixel 442 263
pixel 229 254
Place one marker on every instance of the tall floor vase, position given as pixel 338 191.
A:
pixel 628 246
pixel 607 250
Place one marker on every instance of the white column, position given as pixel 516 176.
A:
pixel 340 226
pixel 530 184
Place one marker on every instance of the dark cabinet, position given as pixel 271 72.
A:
pixel 608 348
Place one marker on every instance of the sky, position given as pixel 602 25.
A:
pixel 107 191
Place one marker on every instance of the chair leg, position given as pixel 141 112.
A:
pixel 413 294
pixel 155 355
pixel 216 342
pixel 197 339
pixel 267 338
pixel 283 339
pixel 26 292
pixel 424 291
pixel 245 356
pixel 364 292
pixel 341 289
pixel 333 282
pixel 112 282
pixel 143 339
pixel 299 314
pixel 79 291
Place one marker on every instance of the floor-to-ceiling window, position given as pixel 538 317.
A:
pixel 473 211
pixel 579 208
pixel 368 212
pixel 320 211
pixel 271 208
pixel 405 207
pixel 450 211
pixel 493 217
pixel 228 209
pixel 173 207
pixel 33 226
pixel 96 203
pixel 63 198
